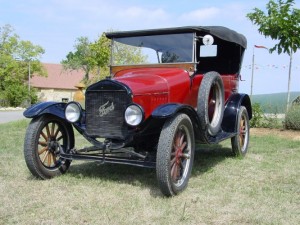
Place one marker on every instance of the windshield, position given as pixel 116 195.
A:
pixel 168 48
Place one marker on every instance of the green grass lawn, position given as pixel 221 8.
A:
pixel 263 188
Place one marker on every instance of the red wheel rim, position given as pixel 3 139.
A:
pixel 180 156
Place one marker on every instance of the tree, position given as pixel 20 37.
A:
pixel 88 56
pixel 15 57
pixel 281 22
pixel 101 55
pixel 128 55
pixel 93 57
pixel 80 58
pixel 123 54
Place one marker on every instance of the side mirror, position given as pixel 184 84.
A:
pixel 208 50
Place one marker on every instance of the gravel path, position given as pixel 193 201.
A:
pixel 7 116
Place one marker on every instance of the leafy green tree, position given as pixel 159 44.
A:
pixel 89 56
pixel 16 58
pixel 80 58
pixel 123 54
pixel 128 55
pixel 101 55
pixel 93 57
pixel 280 22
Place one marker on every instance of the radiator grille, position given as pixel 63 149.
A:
pixel 105 113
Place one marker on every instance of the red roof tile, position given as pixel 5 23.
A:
pixel 57 78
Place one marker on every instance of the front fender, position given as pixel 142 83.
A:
pixel 232 108
pixel 168 110
pixel 54 108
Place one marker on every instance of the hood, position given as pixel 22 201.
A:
pixel 144 81
pixel 150 80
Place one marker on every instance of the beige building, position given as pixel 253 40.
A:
pixel 59 85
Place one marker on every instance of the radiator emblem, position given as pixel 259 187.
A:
pixel 106 108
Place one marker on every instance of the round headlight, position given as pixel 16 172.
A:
pixel 73 112
pixel 134 115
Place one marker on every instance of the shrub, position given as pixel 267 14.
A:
pixel 262 120
pixel 271 119
pixel 17 95
pixel 3 101
pixel 257 115
pixel 292 118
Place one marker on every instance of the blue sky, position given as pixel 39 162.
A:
pixel 55 25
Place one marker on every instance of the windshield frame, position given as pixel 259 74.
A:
pixel 188 50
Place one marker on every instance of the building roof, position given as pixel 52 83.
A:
pixel 57 78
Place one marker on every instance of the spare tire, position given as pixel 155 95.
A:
pixel 210 105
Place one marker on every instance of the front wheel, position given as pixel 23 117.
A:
pixel 175 155
pixel 240 142
pixel 44 137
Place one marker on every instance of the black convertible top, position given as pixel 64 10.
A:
pixel 223 33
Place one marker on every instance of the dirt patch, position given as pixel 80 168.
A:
pixel 289 134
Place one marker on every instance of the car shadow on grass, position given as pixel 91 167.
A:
pixel 206 157
pixel 135 176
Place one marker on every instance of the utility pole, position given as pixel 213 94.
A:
pixel 253 64
pixel 289 81
pixel 29 76
pixel 252 73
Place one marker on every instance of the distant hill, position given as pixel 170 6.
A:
pixel 274 103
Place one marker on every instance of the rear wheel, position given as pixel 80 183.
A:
pixel 210 106
pixel 175 155
pixel 240 142
pixel 45 136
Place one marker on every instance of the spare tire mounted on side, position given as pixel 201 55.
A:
pixel 210 105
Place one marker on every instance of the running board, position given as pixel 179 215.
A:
pixel 109 159
pixel 221 136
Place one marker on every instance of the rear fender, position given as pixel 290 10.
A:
pixel 53 108
pixel 232 108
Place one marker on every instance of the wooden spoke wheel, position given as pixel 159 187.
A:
pixel 175 155
pixel 45 137
pixel 51 138
pixel 240 142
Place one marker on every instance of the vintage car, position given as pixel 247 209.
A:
pixel 150 112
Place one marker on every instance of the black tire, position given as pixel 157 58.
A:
pixel 210 105
pixel 175 154
pixel 41 150
pixel 240 142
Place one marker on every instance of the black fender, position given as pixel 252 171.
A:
pixel 169 110
pixel 232 108
pixel 54 108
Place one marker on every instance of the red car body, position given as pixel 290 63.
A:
pixel 152 87
pixel 150 114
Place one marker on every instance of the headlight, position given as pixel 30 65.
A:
pixel 134 115
pixel 73 112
